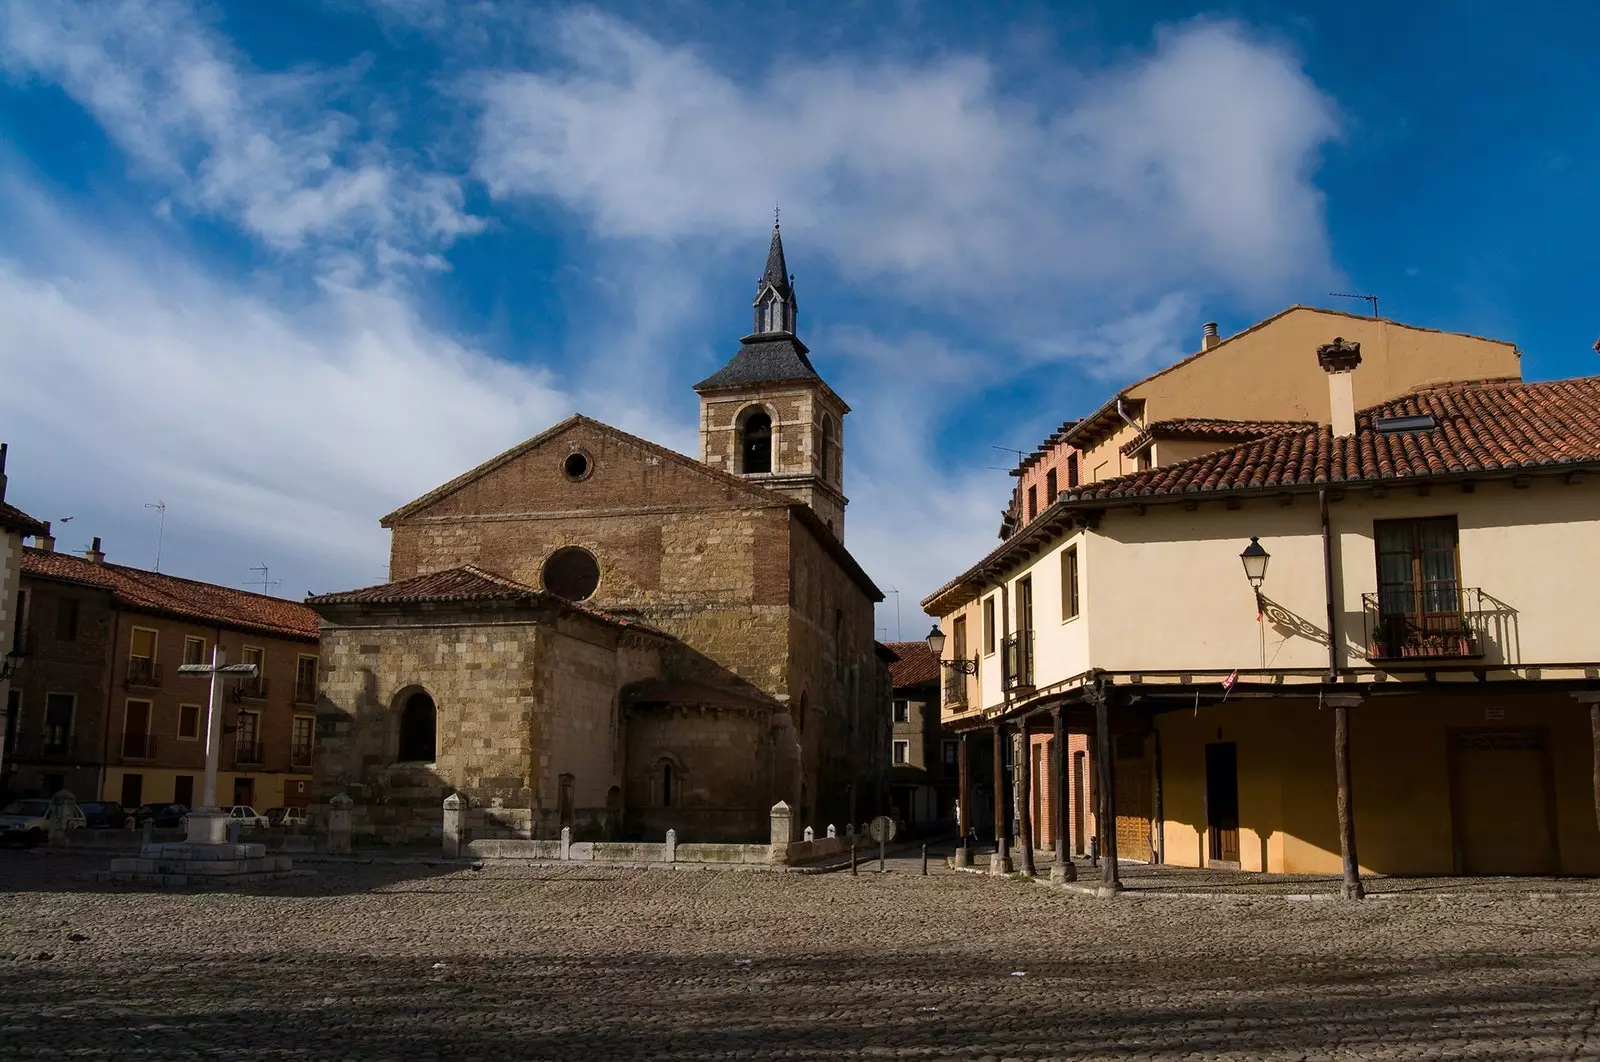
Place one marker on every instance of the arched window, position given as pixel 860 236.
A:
pixel 669 794
pixel 830 451
pixel 755 443
pixel 418 729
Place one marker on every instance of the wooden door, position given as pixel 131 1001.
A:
pixel 132 790
pixel 1502 802
pixel 1222 801
pixel 1134 798
pixel 136 731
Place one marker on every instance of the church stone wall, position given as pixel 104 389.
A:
pixel 518 705
pixel 721 770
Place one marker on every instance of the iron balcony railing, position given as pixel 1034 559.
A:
pixel 144 673
pixel 138 746
pixel 248 752
pixel 56 743
pixel 1017 661
pixel 1439 623
pixel 305 692
pixel 302 756
pixel 251 689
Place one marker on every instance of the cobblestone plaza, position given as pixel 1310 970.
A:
pixel 374 961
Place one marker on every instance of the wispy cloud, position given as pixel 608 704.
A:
pixel 287 156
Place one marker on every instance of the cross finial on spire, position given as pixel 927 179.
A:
pixel 775 216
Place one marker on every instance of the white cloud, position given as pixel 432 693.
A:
pixel 271 152
pixel 1187 166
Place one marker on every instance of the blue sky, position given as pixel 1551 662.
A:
pixel 285 267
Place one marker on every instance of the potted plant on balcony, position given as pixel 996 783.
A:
pixel 1381 642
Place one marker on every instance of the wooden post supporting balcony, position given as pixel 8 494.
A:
pixel 1063 870
pixel 1592 699
pixel 1105 818
pixel 964 802
pixel 1351 888
pixel 1002 855
pixel 1023 750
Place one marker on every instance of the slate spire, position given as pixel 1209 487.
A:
pixel 777 271
pixel 775 306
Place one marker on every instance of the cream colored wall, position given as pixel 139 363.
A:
pixel 1105 460
pixel 1171 451
pixel 1167 590
pixel 1272 373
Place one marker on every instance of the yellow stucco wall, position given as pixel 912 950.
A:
pixel 1400 773
pixel 159 784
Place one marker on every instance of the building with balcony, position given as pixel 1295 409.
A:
pixel 924 760
pixel 102 710
pixel 1397 679
pixel 15 526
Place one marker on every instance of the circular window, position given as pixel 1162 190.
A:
pixel 577 465
pixel 571 573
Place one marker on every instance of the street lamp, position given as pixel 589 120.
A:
pixel 1255 558
pixel 936 642
pixel 11 663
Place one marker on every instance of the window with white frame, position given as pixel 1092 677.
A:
pixel 902 752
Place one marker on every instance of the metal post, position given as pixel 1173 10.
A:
pixel 882 835
pixel 852 857
pixel 924 860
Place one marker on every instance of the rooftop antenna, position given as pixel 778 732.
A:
pixel 161 528
pixel 1010 450
pixel 1372 300
pixel 899 635
pixel 264 582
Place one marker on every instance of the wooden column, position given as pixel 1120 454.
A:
pixel 1000 827
pixel 1351 889
pixel 1063 870
pixel 1024 747
pixel 1591 698
pixel 1106 807
pixel 964 790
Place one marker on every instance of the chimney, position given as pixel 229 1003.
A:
pixel 94 555
pixel 1210 338
pixel 2 472
pixel 45 542
pixel 1339 360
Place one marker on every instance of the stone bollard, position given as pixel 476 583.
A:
pixel 809 835
pixel 149 830
pixel 849 830
pixel 454 824
pixel 61 808
pixel 832 833
pixel 672 846
pixel 339 824
pixel 566 842
pixel 235 828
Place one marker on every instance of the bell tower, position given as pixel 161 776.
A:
pixel 767 415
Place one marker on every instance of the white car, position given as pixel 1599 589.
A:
pixel 28 821
pixel 288 816
pixel 248 816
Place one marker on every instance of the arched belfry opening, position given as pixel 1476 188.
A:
pixel 419 728
pixel 755 442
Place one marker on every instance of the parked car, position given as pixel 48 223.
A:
pixel 103 814
pixel 165 816
pixel 249 816
pixel 28 821
pixel 288 816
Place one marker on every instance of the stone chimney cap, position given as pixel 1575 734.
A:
pixel 1342 355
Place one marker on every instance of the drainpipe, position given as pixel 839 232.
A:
pixel 1327 583
pixel 1129 421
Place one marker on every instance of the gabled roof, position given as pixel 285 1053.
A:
pixel 765 358
pixel 758 494
pixel 1480 429
pixel 18 522
pixel 916 666
pixel 464 584
pixel 186 599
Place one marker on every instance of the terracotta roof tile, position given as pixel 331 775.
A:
pixel 468 583
pixel 14 519
pixel 157 592
pixel 916 666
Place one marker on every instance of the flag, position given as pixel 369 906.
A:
pixel 1228 683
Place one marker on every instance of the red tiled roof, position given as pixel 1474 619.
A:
pixel 14 519
pixel 1202 428
pixel 1480 428
pixel 157 592
pixel 468 583
pixel 916 666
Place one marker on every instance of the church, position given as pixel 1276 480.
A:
pixel 596 632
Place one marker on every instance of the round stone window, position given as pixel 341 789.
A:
pixel 571 573
pixel 577 466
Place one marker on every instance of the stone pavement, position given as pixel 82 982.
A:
pixel 582 962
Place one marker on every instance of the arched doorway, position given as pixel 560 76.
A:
pixel 418 729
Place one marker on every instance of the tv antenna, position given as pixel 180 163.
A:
pixel 1010 450
pixel 899 634
pixel 1372 300
pixel 161 528
pixel 265 582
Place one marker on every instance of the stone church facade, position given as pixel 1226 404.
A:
pixel 591 630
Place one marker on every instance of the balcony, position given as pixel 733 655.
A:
pixel 1440 625
pixel 305 692
pixel 143 674
pixel 138 747
pixel 955 690
pixel 1016 661
pixel 248 754
pixel 251 689
pixel 55 745
pixel 303 757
